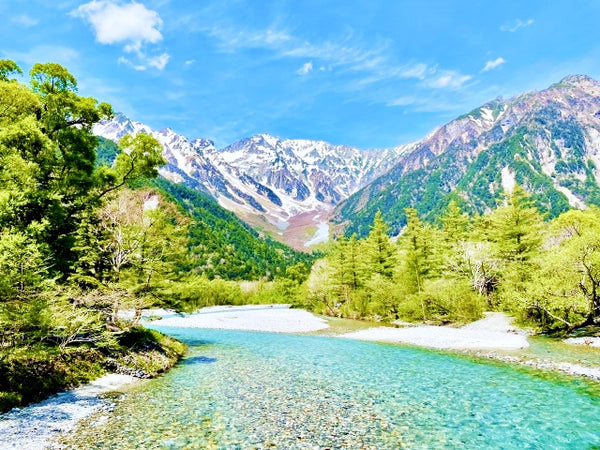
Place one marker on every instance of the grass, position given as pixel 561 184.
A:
pixel 31 373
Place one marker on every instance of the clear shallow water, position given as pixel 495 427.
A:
pixel 259 390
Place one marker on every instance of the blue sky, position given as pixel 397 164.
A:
pixel 366 73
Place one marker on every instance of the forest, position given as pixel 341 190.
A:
pixel 546 273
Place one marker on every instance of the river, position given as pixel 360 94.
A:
pixel 240 389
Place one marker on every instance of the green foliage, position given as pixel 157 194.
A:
pixel 443 301
pixel 221 245
pixel 33 372
pixel 55 199
pixel 569 295
pixel 8 67
pixel 380 253
pixel 515 226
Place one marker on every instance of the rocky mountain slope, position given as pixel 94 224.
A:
pixel 548 141
pixel 287 187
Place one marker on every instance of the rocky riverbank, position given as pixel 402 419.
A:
pixel 37 426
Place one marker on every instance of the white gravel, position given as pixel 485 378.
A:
pixel 494 332
pixel 273 318
pixel 37 425
pixel 589 341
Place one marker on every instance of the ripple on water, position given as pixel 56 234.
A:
pixel 258 390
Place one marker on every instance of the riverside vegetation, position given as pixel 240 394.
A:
pixel 87 230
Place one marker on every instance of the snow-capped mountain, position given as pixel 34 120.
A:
pixel 547 141
pixel 286 186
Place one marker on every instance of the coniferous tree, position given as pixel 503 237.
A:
pixel 514 227
pixel 380 252
pixel 419 244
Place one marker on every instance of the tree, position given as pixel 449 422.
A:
pixel 347 265
pixel 565 291
pixel 47 151
pixel 380 252
pixel 8 67
pixel 514 231
pixel 418 242
pixel 455 224
pixel 515 227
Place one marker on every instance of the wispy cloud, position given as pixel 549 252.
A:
pixel 66 56
pixel 232 39
pixel 447 79
pixel 435 104
pixel 24 20
pixel 373 62
pixel 159 62
pixel 513 26
pixel 305 69
pixel 490 65
pixel 131 24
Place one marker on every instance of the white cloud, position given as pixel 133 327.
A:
pixel 159 62
pixel 448 79
pixel 513 26
pixel 189 62
pixel 373 63
pixel 305 69
pixel 127 62
pixel 493 64
pixel 129 24
pixel 231 39
pixel 402 101
pixel 24 20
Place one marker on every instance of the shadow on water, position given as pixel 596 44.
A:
pixel 193 342
pixel 198 360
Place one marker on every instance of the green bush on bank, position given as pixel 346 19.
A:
pixel 32 373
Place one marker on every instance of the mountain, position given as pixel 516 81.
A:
pixel 220 244
pixel 285 187
pixel 547 141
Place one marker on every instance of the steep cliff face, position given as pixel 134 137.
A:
pixel 547 141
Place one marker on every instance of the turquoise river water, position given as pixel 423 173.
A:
pixel 240 389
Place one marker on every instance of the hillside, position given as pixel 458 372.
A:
pixel 548 142
pixel 220 244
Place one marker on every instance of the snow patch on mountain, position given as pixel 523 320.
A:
pixel 265 177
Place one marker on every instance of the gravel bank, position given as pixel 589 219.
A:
pixel 494 332
pixel 36 426
pixel 272 318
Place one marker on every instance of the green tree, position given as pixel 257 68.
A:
pixel 455 224
pixel 7 68
pixel 514 230
pixel 418 242
pixel 515 227
pixel 380 252
pixel 47 155
pixel 564 292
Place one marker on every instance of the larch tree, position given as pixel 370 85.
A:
pixel 380 252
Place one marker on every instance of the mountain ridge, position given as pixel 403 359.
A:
pixel 539 139
pixel 548 141
pixel 283 186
